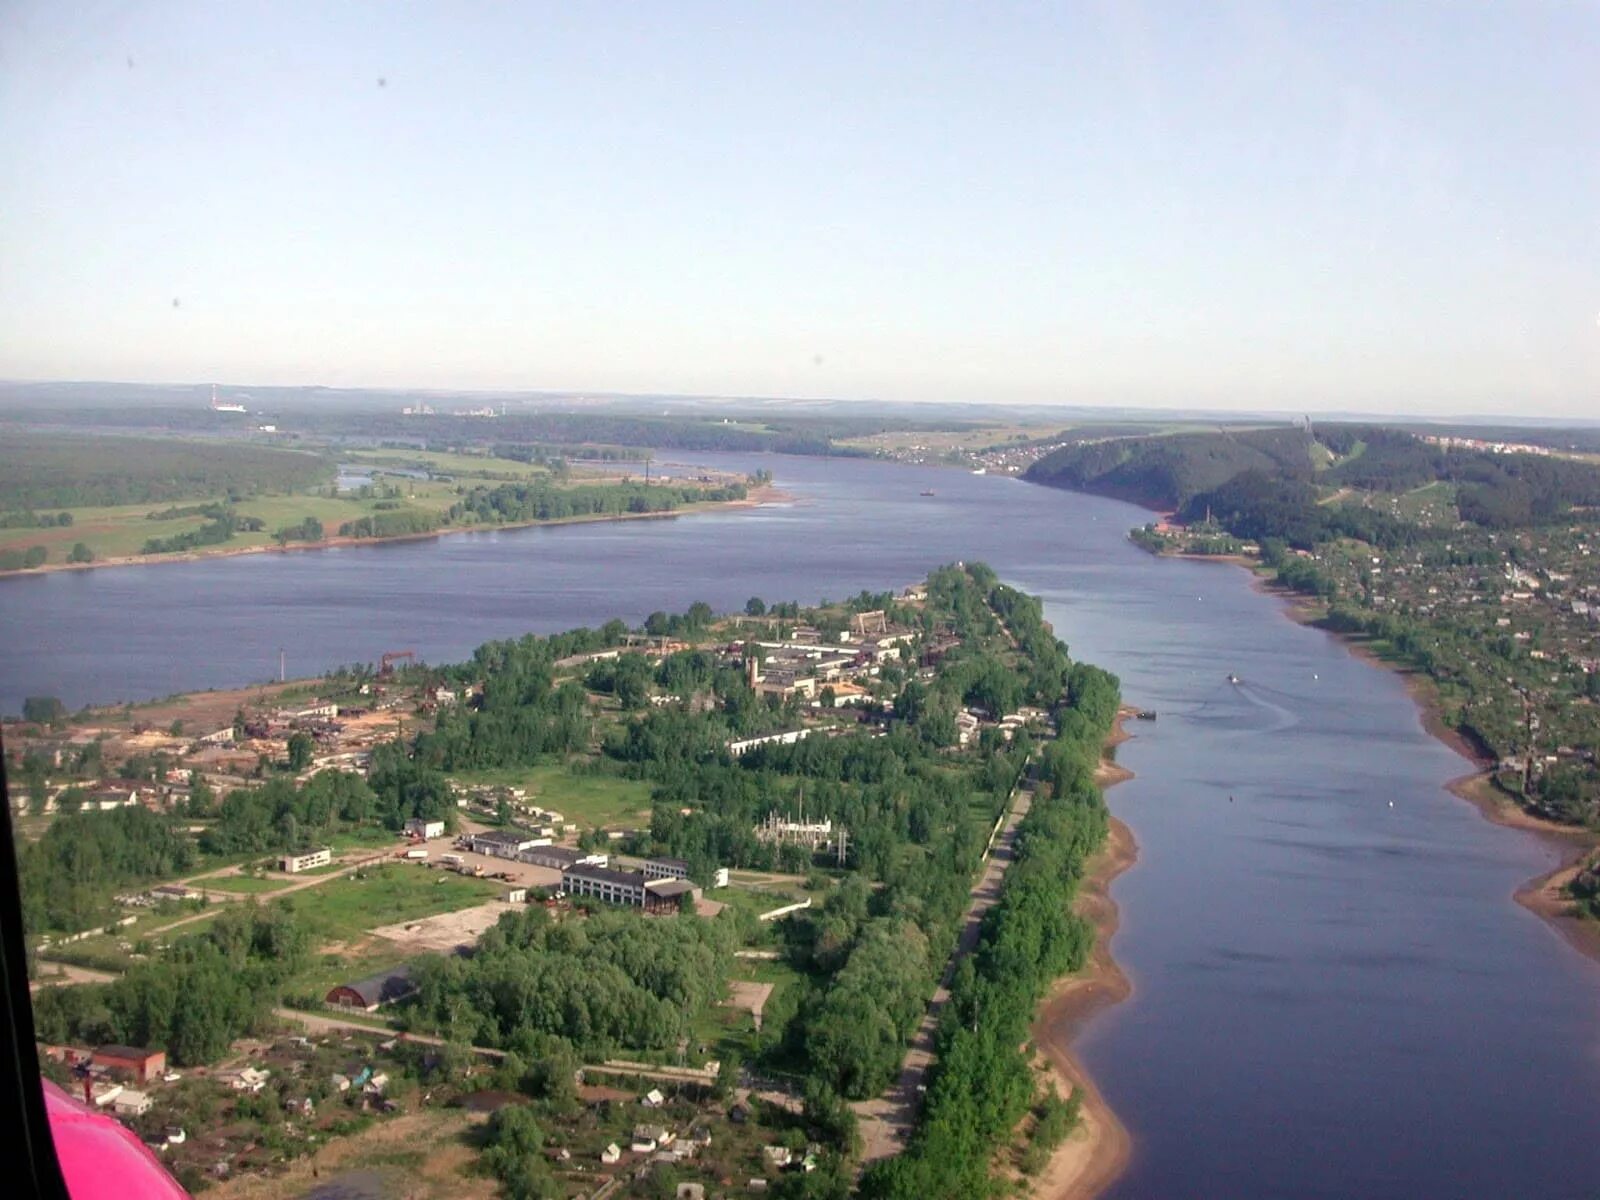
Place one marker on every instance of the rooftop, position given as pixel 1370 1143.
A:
pixel 385 986
pixel 606 875
pixel 118 1051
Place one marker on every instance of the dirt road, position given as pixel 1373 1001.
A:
pixel 887 1120
pixel 68 975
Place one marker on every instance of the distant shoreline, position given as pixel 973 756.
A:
pixel 1097 1151
pixel 757 496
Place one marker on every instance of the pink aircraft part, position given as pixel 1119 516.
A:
pixel 100 1157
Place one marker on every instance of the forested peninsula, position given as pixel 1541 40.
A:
pixel 828 783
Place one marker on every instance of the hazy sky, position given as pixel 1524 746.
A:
pixel 1366 205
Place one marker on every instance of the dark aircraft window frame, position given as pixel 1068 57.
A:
pixel 36 1171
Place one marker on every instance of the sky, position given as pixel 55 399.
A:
pixel 1368 206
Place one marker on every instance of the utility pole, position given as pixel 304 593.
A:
pixel 1527 761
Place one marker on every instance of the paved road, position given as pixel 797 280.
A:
pixel 886 1121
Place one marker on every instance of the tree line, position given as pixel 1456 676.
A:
pixel 67 876
pixel 195 999
pixel 546 501
pixel 982 1083
pixel 223 524
pixel 605 984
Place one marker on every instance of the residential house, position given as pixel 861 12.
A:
pixel 652 1137
pixel 131 1103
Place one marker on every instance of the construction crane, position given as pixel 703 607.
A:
pixel 387 662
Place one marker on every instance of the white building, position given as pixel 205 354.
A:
pixel 500 843
pixel 788 738
pixel 614 887
pixel 666 868
pixel 305 860
pixel 130 1103
pixel 423 828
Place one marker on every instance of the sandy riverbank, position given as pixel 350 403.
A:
pixel 1096 1153
pixel 757 496
pixel 1545 895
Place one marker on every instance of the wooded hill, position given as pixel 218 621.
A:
pixel 1273 482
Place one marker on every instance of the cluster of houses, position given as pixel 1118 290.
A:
pixel 971 722
pixel 803 665
pixel 226 756
pixel 117 1077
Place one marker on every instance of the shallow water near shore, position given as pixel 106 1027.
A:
pixel 1331 996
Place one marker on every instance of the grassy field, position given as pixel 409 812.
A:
pixel 939 440
pixel 122 531
pixel 461 466
pixel 246 885
pixel 107 952
pixel 342 910
pixel 582 799
pixel 756 901
pixel 724 1029
pixel 368 837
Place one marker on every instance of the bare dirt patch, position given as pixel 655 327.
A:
pixel 205 711
pixel 442 1172
pixel 749 996
pixel 446 931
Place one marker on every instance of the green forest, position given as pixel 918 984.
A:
pixel 1274 482
pixel 57 471
pixel 195 998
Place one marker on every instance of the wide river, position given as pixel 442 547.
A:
pixel 1334 992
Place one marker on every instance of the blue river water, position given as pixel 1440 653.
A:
pixel 1334 994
